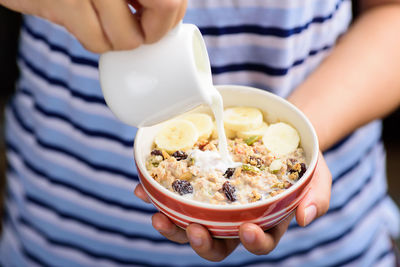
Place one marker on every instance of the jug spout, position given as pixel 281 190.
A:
pixel 155 82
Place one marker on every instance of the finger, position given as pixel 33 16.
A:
pixel 168 229
pixel 158 17
pixel 181 13
pixel 258 242
pixel 316 202
pixel 119 24
pixel 91 36
pixel 140 193
pixel 207 247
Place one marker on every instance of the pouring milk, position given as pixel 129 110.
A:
pixel 156 82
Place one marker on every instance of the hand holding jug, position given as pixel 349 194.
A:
pixel 156 82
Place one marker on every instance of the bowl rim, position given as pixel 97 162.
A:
pixel 306 176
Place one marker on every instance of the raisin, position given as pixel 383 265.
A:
pixel 303 169
pixel 229 191
pixel 179 155
pixel 182 187
pixel 156 152
pixel 229 172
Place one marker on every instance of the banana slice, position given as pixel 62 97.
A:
pixel 177 134
pixel 230 134
pixel 203 123
pixel 242 118
pixel 259 132
pixel 281 138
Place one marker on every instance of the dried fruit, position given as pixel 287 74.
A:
pixel 182 187
pixel 157 152
pixel 251 140
pixel 229 172
pixel 249 168
pixel 179 155
pixel 303 169
pixel 229 191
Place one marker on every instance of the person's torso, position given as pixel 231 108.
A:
pixel 71 172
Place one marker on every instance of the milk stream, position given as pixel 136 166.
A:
pixel 213 96
pixel 218 109
pixel 211 160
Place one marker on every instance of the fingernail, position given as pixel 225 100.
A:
pixel 310 214
pixel 196 241
pixel 249 236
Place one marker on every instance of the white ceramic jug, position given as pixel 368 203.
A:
pixel 155 82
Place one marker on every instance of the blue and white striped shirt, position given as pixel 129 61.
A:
pixel 70 169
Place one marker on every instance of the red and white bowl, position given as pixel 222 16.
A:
pixel 223 221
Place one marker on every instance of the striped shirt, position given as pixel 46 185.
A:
pixel 71 175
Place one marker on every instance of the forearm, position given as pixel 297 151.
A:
pixel 359 81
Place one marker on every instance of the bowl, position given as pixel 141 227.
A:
pixel 223 221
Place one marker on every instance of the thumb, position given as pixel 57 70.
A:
pixel 316 202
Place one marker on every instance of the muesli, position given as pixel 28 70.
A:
pixel 267 158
